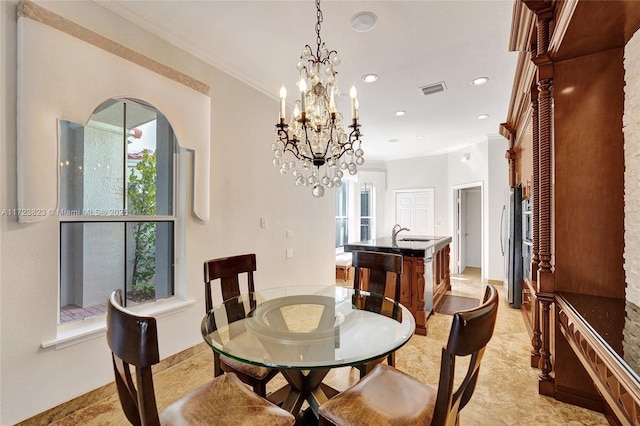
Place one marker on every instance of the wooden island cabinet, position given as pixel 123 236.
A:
pixel 566 135
pixel 425 272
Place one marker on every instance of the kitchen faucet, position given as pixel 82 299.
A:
pixel 394 233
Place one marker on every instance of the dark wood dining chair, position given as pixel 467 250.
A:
pixel 133 340
pixel 388 396
pixel 382 271
pixel 228 271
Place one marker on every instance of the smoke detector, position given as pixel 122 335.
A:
pixel 364 21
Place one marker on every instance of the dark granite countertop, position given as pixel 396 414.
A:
pixel 616 322
pixel 407 245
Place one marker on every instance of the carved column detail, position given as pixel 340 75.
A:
pixel 447 271
pixel 536 176
pixel 510 154
pixel 545 196
pixel 536 338
pixel 546 300
pixel 543 26
pixel 536 341
pixel 544 66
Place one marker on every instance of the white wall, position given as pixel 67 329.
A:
pixel 422 172
pixel 632 169
pixel 487 165
pixel 470 173
pixel 444 172
pixel 245 187
pixel 631 332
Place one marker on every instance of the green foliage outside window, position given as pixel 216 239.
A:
pixel 141 190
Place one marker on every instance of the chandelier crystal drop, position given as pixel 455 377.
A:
pixel 314 147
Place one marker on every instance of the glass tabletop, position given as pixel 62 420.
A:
pixel 307 327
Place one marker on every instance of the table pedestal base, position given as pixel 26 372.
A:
pixel 303 385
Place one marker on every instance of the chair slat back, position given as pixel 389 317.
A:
pixel 470 333
pixel 133 341
pixel 227 270
pixel 379 265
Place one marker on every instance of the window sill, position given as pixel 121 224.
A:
pixel 95 327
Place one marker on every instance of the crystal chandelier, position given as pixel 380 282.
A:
pixel 314 147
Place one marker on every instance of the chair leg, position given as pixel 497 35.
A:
pixel 260 387
pixel 217 369
pixel 362 368
pixel 365 368
pixel 391 359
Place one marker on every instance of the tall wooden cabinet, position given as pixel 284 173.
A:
pixel 566 149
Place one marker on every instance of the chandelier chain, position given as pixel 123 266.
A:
pixel 318 27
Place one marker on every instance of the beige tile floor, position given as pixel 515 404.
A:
pixel 506 393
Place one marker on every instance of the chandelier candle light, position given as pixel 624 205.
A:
pixel 314 146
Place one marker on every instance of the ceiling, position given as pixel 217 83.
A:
pixel 413 44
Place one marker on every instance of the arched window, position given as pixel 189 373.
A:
pixel 117 208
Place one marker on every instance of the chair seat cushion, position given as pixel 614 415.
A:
pixel 225 401
pixel 250 370
pixel 385 396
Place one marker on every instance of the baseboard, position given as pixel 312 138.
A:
pixel 66 408
pixel 574 397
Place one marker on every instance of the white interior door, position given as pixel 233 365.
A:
pixel 462 231
pixel 473 228
pixel 414 210
pixel 404 210
pixel 457 243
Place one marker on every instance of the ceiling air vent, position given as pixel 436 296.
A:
pixel 430 89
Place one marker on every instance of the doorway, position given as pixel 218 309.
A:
pixel 468 232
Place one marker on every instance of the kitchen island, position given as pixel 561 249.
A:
pixel 425 271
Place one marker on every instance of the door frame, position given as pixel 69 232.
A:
pixel 458 216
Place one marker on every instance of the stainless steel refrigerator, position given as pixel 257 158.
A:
pixel 511 243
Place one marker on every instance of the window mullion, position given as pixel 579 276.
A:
pixel 125 160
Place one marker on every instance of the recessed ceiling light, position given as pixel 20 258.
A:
pixel 400 113
pixel 394 140
pixel 482 116
pixel 369 78
pixel 419 137
pixel 363 22
pixel 479 81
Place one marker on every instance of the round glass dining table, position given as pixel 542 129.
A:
pixel 305 331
